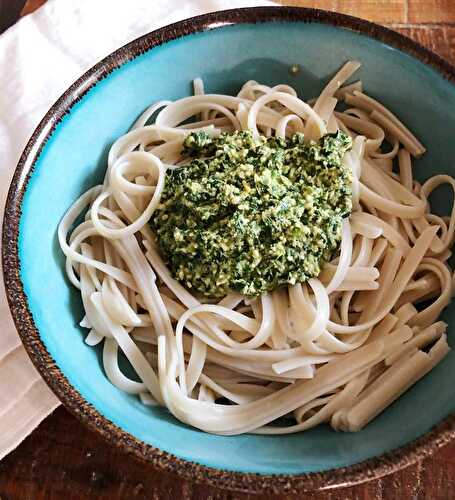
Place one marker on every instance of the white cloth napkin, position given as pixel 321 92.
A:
pixel 39 58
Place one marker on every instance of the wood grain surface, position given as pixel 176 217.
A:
pixel 63 460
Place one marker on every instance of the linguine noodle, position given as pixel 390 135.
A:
pixel 338 348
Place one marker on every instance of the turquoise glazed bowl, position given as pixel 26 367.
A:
pixel 67 154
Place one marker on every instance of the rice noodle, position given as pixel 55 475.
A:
pixel 338 348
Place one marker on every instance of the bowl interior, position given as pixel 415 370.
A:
pixel 74 159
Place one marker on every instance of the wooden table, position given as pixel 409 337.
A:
pixel 62 459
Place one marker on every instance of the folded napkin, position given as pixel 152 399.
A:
pixel 39 58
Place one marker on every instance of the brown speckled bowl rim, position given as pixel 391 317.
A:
pixel 73 401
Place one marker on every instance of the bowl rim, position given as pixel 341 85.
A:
pixel 367 470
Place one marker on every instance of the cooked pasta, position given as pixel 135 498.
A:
pixel 337 348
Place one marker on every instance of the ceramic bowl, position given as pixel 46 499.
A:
pixel 67 154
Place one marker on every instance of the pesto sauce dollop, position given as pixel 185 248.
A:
pixel 252 214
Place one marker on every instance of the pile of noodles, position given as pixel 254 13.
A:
pixel 338 348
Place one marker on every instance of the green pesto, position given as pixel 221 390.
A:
pixel 252 214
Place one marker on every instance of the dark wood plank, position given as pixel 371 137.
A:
pixel 380 11
pixel 62 459
pixel 431 11
pixel 439 39
pixel 31 5
pixel 9 12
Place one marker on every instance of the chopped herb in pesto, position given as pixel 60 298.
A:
pixel 252 214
